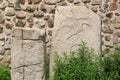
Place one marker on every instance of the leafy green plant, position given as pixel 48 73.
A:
pixel 84 65
pixel 4 73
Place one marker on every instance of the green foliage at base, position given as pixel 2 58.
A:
pixel 85 65
pixel 4 73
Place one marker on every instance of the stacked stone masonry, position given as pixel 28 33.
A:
pixel 40 14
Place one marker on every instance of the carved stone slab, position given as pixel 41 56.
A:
pixel 74 24
pixel 28 55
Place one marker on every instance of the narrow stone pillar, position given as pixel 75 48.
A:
pixel 28 54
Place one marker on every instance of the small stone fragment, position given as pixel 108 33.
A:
pixel 2 18
pixel 76 1
pixel 22 1
pixel 108 37
pixel 20 23
pixel 10 5
pixel 2 43
pixel 113 6
pixel 50 23
pixel 107 29
pixel 40 23
pixel 9 11
pixel 3 5
pixel 117 26
pixel 17 6
pixel 1 29
pixel 2 50
pixel 63 3
pixel 29 1
pixel 52 2
pixel 70 1
pixel 46 16
pixel 38 14
pixel 109 14
pixel 86 1
pixel 105 6
pixel 96 2
pixel 94 9
pixel 36 1
pixel 21 15
pixel 30 8
pixel 1 57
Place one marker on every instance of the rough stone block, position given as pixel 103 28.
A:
pixel 74 24
pixel 27 55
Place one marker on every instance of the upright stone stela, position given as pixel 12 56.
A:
pixel 74 24
pixel 28 54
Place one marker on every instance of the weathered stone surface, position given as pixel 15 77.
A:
pixel 30 8
pixel 28 34
pixel 20 15
pixel 96 2
pixel 2 18
pixel 17 6
pixel 77 1
pixel 86 1
pixel 9 11
pixel 4 4
pixel 20 23
pixel 113 6
pixel 1 29
pixel 38 14
pixel 70 1
pixel 108 37
pixel 28 56
pixel 74 24
pixel 36 1
pixel 52 1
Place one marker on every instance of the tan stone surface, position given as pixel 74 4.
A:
pixel 74 24
pixel 28 56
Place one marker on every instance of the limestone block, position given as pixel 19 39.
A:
pixel 27 55
pixel 74 24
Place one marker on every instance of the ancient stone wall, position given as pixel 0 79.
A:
pixel 40 14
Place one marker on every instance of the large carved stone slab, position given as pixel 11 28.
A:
pixel 74 24
pixel 28 54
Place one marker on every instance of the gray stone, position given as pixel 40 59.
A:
pixel 30 8
pixel 108 37
pixel 1 57
pixel 2 18
pixel 40 23
pixel 20 23
pixel 50 23
pixel 9 11
pixel 2 50
pixel 50 8
pixel 4 4
pixel 17 6
pixel 28 56
pixel 74 24
pixel 37 1
pixel 86 1
pixel 96 2
pixel 38 14
pixel 77 1
pixel 52 1
pixel 70 1
pixel 105 6
pixel 107 29
pixel 2 43
pixel 21 15
pixel 1 29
